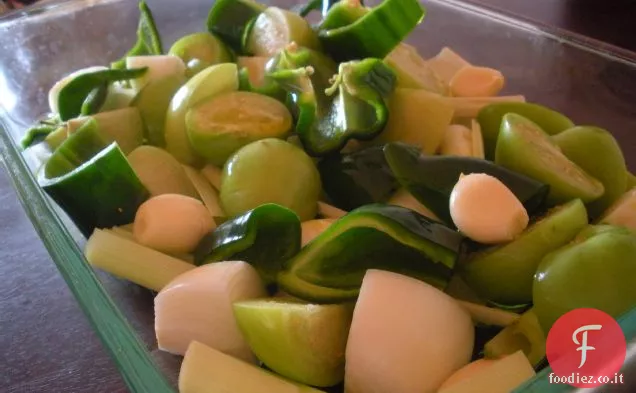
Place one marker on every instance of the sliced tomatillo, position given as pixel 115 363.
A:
pixel 330 268
pixel 490 117
pixel 523 147
pixel 264 237
pixel 504 274
pixel 596 151
pixel 594 272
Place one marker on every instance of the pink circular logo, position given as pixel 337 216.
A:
pixel 586 348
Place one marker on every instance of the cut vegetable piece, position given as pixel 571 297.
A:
pixel 489 315
pixel 36 134
pixel 94 100
pixel 206 191
pixel 623 212
pixel 446 64
pixel 470 107
pixel 73 94
pixel 131 261
pixel 473 81
pixel 148 39
pixel 491 116
pixel 124 126
pixel 55 138
pixel 593 272
pixel 303 342
pixel 405 199
pixel 158 67
pixel 466 372
pixel 92 182
pixel 485 210
pixel 213 174
pixel 502 376
pixel 631 181
pixel 412 71
pixel 338 13
pixel 206 370
pixel 504 274
pixel 457 141
pixel 524 335
pixel 376 33
pixel 330 268
pixel 54 92
pixel 523 147
pixel 265 237
pixel 197 306
pixel 199 51
pixel 417 117
pixel 289 179
pixel 478 140
pixel 160 172
pixel 232 20
pixel 220 126
pixel 216 79
pixel 327 211
pixel 119 96
pixel 596 152
pixel 431 178
pixel 357 179
pixel 172 223
pixel 275 28
pixel 153 102
pixel 399 320
pixel 312 228
pixel 252 78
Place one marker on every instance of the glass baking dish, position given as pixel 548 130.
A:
pixel 591 82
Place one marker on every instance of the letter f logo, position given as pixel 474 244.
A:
pixel 583 343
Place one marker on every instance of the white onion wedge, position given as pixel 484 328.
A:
pixel 327 211
pixel 206 370
pixel 405 199
pixel 406 336
pixel 213 174
pixel 197 306
pixel 159 66
pixel 312 228
pixel 206 191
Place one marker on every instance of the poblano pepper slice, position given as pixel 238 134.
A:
pixel 148 39
pixel 352 107
pixel 265 237
pixel 431 178
pixel 374 34
pixel 360 178
pixel 94 100
pixel 330 268
pixel 232 20
pixel 89 177
pixel 73 96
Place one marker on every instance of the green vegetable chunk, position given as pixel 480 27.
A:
pixel 431 178
pixel 595 271
pixel 490 118
pixel 232 20
pixel 91 180
pixel 199 51
pixel 374 34
pixel 264 237
pixel 357 179
pixel 252 78
pixel 330 268
pixel 525 148
pixel 218 127
pixel 275 28
pixel 153 102
pixel 72 96
pixel 504 274
pixel 37 134
pixel 343 13
pixel 596 151
pixel 631 181
pixel 148 39
pixel 352 108
pixel 303 342
pixel 94 100
pixel 270 171
pixel 524 335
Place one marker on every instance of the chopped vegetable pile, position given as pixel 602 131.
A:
pixel 323 201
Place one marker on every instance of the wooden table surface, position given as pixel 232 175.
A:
pixel 47 344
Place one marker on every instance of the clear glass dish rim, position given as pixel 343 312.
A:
pixel 133 360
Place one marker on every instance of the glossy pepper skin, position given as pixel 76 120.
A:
pixel 264 237
pixel 329 115
pixel 148 39
pixel 330 268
